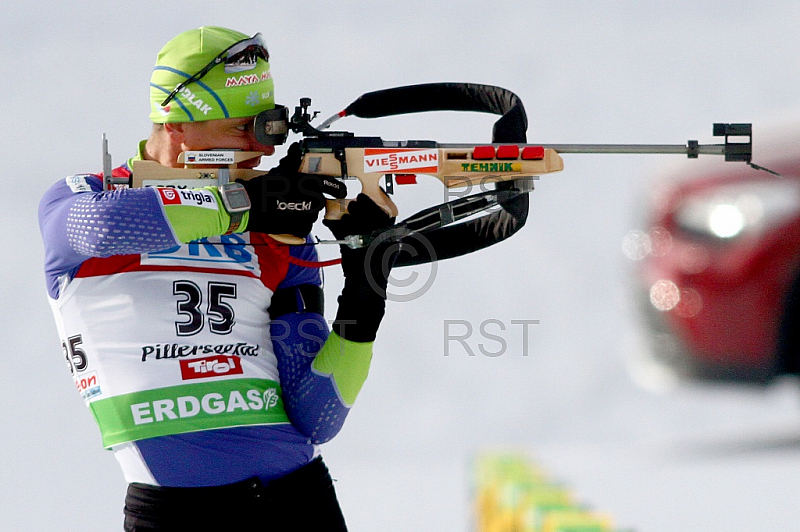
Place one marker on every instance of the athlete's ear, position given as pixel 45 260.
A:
pixel 176 132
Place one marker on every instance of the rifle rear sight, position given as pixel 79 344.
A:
pixel 301 119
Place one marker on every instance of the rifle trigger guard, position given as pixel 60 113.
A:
pixel 388 181
pixel 340 155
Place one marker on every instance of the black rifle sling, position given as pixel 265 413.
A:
pixel 450 241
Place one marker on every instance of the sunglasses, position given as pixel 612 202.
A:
pixel 239 57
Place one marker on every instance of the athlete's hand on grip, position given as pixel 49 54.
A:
pixel 366 270
pixel 285 201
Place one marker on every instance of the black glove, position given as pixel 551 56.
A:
pixel 285 201
pixel 366 270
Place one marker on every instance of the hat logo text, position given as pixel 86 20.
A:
pixel 247 79
pixel 192 99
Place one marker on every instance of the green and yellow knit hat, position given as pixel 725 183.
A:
pixel 211 84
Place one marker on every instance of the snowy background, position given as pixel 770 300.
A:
pixel 691 457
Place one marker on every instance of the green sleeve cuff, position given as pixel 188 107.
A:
pixel 191 222
pixel 348 362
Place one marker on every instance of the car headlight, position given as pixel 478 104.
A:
pixel 732 210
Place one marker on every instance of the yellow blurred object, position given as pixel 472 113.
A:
pixel 576 521
pixel 511 494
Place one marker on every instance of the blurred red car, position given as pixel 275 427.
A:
pixel 718 266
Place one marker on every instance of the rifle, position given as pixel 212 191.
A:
pixel 508 161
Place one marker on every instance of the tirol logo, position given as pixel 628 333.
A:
pixel 405 160
pixel 215 366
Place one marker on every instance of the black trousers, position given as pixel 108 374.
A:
pixel 302 500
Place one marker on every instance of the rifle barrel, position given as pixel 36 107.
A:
pixel 706 149
pixel 709 149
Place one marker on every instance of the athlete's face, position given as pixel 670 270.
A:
pixel 236 133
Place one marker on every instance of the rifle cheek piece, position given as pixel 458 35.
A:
pixel 272 126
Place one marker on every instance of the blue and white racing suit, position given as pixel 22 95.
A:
pixel 164 321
